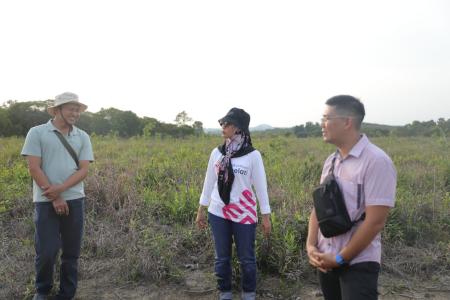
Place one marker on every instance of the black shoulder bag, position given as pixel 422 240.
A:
pixel 68 147
pixel 329 204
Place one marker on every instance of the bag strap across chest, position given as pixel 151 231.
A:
pixel 68 147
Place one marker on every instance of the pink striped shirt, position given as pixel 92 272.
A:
pixel 366 177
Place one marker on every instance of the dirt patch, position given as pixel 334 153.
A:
pixel 197 284
pixel 437 288
pixel 194 287
pixel 200 284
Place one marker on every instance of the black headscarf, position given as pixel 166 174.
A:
pixel 239 145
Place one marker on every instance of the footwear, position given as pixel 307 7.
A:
pixel 38 296
pixel 225 296
pixel 248 295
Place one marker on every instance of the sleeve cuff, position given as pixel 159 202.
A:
pixel 204 201
pixel 381 202
pixel 265 210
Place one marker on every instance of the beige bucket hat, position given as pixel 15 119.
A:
pixel 64 98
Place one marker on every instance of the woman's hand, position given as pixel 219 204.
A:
pixel 266 225
pixel 200 220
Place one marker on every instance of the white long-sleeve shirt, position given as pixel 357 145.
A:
pixel 248 171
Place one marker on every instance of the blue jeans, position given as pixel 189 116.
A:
pixel 53 232
pixel 224 232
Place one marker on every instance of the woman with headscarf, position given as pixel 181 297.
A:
pixel 233 169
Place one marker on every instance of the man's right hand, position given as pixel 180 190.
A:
pixel 314 259
pixel 60 206
pixel 52 192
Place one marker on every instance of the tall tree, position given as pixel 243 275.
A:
pixel 24 115
pixel 182 118
pixel 125 123
pixel 149 126
pixel 5 123
pixel 198 128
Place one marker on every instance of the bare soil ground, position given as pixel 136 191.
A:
pixel 200 285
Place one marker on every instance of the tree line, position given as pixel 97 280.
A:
pixel 16 118
pixel 440 128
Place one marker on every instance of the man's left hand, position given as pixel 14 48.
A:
pixel 60 206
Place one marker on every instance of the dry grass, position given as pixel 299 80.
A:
pixel 143 194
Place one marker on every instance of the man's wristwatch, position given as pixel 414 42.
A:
pixel 340 260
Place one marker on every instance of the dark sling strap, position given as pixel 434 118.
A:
pixel 68 147
pixel 363 216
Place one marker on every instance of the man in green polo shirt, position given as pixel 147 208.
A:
pixel 58 193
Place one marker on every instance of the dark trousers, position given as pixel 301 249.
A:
pixel 224 231
pixel 53 232
pixel 355 282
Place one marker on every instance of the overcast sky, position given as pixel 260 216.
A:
pixel 279 60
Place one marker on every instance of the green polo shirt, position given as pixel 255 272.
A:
pixel 56 161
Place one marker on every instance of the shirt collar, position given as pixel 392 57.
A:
pixel 52 127
pixel 359 146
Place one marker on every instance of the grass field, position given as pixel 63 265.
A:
pixel 142 196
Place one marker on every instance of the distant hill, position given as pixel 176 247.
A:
pixel 261 127
pixel 373 130
pixel 212 130
pixel 369 128
pixel 378 126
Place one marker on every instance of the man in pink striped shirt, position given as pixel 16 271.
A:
pixel 349 263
